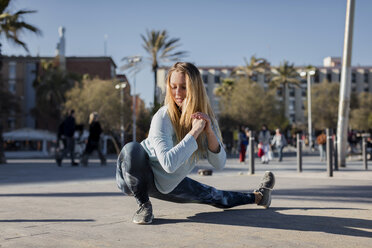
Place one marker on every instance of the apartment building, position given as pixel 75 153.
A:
pixel 361 81
pixel 19 72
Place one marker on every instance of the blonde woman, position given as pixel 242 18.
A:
pixel 181 132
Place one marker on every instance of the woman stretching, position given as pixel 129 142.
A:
pixel 181 132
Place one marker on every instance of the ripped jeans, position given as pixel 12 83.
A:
pixel 134 176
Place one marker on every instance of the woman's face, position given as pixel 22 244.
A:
pixel 178 87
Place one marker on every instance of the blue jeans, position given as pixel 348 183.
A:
pixel 279 150
pixel 322 152
pixel 134 176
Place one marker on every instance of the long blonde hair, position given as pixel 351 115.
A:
pixel 196 101
pixel 93 117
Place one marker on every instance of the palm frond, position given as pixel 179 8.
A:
pixel 11 25
pixel 3 5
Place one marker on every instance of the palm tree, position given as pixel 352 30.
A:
pixel 255 65
pixel 11 25
pixel 284 76
pixel 161 48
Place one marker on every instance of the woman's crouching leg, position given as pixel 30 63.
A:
pixel 133 173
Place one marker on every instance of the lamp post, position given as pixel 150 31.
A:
pixel 121 86
pixel 132 62
pixel 309 120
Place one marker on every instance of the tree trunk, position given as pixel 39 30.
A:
pixel 155 86
pixel 285 90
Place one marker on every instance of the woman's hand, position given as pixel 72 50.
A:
pixel 198 126
pixel 213 144
pixel 205 117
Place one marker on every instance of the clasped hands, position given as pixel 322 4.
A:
pixel 201 122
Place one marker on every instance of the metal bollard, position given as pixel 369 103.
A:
pixel 364 152
pixel 329 152
pixel 251 153
pixel 299 153
pixel 335 155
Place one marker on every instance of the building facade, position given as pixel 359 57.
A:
pixel 18 74
pixel 361 81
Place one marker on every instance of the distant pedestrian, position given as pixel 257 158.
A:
pixel 322 141
pixel 243 142
pixel 94 139
pixel 235 141
pixel 264 138
pixel 279 142
pixel 67 130
pixel 181 132
pixel 248 134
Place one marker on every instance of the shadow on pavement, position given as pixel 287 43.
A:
pixel 48 220
pixel 357 193
pixel 65 194
pixel 44 173
pixel 273 219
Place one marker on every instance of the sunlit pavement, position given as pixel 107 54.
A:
pixel 43 205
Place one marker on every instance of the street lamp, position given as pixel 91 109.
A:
pixel 121 86
pixel 132 63
pixel 309 74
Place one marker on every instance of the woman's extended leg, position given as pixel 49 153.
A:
pixel 191 191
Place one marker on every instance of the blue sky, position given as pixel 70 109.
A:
pixel 219 32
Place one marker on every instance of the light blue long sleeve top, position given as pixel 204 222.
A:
pixel 172 161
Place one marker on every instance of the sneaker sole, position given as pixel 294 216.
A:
pixel 267 205
pixel 144 222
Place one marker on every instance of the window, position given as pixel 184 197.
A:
pixel 303 92
pixel 217 79
pixel 366 89
pixel 12 70
pixel 291 92
pixel 279 92
pixel 12 86
pixel 292 117
pixel 366 77
pixel 254 78
pixel 353 77
pixel 12 76
pixel 316 78
pixel 112 71
pixel 11 123
pixel 329 77
pixel 291 105
pixel 205 79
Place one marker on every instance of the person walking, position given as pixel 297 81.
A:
pixel 182 131
pixel 322 141
pixel 94 138
pixel 68 131
pixel 248 135
pixel 243 142
pixel 279 142
pixel 264 139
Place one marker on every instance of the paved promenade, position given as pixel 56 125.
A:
pixel 42 205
